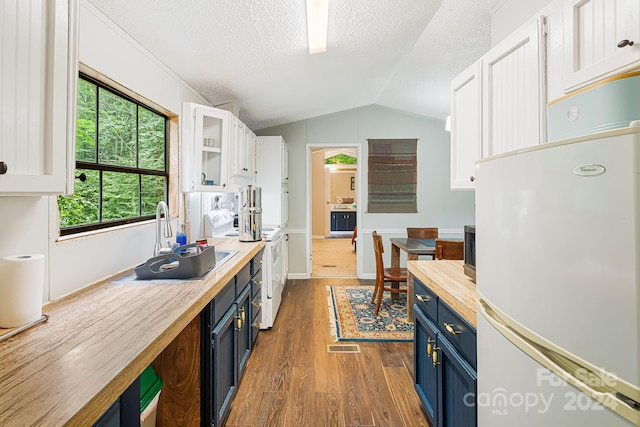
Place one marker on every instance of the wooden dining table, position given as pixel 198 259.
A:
pixel 414 248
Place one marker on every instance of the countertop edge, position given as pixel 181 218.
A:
pixel 446 279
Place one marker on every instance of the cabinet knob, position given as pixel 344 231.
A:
pixel 625 43
pixel 472 178
pixel 3 168
pixel 423 298
pixel 451 330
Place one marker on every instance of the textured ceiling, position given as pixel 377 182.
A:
pixel 395 53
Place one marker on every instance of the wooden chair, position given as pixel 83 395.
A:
pixel 449 249
pixel 385 274
pixel 422 233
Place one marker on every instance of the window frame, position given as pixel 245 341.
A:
pixel 101 224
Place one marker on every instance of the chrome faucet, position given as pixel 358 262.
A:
pixel 158 249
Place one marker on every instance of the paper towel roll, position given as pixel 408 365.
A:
pixel 21 279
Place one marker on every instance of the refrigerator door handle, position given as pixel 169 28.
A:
pixel 610 391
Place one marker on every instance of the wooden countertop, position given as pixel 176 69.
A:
pixel 97 341
pixel 446 279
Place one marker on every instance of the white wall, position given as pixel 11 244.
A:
pixel 30 224
pixel 437 205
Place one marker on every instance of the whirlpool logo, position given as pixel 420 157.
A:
pixel 589 170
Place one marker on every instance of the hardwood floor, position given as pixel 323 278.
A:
pixel 292 380
pixel 333 258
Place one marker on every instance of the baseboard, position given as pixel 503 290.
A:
pixel 297 276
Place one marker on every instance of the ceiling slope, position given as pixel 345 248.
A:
pixel 399 54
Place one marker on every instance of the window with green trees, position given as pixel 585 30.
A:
pixel 121 161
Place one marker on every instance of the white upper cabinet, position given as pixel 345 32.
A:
pixel 466 126
pixel 514 91
pixel 244 150
pixel 205 148
pixel 250 140
pixel 284 163
pixel 601 38
pixel 38 80
pixel 273 158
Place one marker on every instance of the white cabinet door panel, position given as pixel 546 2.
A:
pixel 37 53
pixel 514 92
pixel 466 126
pixel 592 31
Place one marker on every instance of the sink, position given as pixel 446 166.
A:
pixel 222 257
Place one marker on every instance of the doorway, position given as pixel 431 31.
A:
pixel 332 214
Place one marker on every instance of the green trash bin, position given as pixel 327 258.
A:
pixel 150 387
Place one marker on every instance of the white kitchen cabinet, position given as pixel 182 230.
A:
pixel 205 148
pixel 38 81
pixel 272 157
pixel 244 150
pixel 284 163
pixel 250 154
pixel 514 91
pixel 466 126
pixel 601 38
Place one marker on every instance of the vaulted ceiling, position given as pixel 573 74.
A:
pixel 400 54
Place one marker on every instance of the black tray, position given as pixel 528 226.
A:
pixel 186 262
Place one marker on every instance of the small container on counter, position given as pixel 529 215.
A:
pixel 202 244
pixel 181 236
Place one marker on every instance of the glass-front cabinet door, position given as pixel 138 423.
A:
pixel 205 149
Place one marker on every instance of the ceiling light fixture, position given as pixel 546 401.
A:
pixel 317 22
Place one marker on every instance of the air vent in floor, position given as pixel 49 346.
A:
pixel 343 348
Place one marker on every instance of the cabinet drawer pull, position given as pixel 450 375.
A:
pixel 423 298
pixel 625 43
pixel 3 168
pixel 435 356
pixel 430 346
pixel 450 329
pixel 239 323
pixel 242 316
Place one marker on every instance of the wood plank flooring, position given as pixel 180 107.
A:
pixel 334 257
pixel 292 380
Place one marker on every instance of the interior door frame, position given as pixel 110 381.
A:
pixel 308 204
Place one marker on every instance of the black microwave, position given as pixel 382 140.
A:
pixel 470 251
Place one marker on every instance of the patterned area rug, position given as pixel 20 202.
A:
pixel 352 318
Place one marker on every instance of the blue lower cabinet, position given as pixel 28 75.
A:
pixel 225 379
pixel 226 341
pixel 426 381
pixel 445 381
pixel 243 324
pixel 125 411
pixel 458 392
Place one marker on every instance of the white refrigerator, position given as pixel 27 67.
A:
pixel 558 281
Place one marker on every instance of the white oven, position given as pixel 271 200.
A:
pixel 219 223
pixel 273 277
